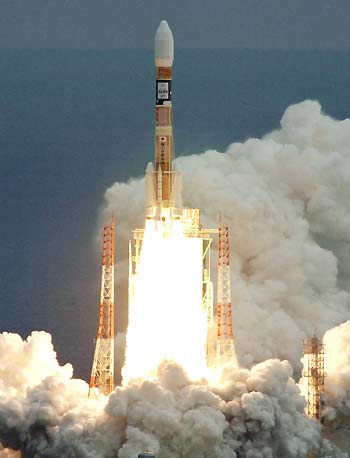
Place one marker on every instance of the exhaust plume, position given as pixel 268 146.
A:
pixel 286 198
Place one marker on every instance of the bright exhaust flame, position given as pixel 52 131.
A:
pixel 166 315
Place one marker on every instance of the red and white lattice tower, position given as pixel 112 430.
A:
pixel 102 373
pixel 225 348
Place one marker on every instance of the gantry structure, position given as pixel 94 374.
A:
pixel 225 348
pixel 102 373
pixel 313 374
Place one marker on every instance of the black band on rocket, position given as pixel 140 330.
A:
pixel 163 91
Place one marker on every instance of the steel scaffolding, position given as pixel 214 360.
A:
pixel 102 373
pixel 313 373
pixel 225 349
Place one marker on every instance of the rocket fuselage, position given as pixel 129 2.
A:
pixel 164 56
pixel 164 132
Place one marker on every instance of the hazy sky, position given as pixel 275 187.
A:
pixel 321 24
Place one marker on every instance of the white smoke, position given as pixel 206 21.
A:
pixel 286 199
pixel 337 367
pixel 43 411
pixel 249 413
pixel 337 383
pixel 24 364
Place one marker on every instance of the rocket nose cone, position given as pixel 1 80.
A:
pixel 163 30
pixel 164 45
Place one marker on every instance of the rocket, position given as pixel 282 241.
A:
pixel 163 56
pixel 163 184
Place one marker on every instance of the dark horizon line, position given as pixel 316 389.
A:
pixel 236 48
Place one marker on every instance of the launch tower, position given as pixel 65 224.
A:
pixel 102 373
pixel 313 374
pixel 225 350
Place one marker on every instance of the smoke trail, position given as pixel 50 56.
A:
pixel 286 198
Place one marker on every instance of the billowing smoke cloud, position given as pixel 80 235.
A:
pixel 43 411
pixel 249 413
pixel 337 369
pixel 286 199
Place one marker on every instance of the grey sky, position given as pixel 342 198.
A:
pixel 320 24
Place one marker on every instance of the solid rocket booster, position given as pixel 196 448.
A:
pixel 163 56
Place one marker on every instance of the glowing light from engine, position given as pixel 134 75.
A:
pixel 166 316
